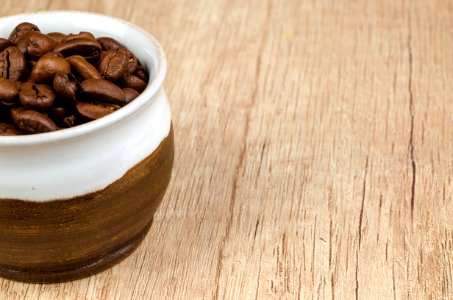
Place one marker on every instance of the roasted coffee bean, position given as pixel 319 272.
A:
pixel 9 91
pixel 9 129
pixel 109 43
pixel 113 64
pixel 59 112
pixel 141 73
pixel 36 96
pixel 4 43
pixel 132 62
pixel 80 35
pixel 64 86
pixel 32 121
pixel 85 47
pixel 35 44
pixel 90 111
pixel 82 67
pixel 21 29
pixel 12 63
pixel 57 36
pixel 130 94
pixel 47 66
pixel 103 90
pixel 133 82
pixel 70 121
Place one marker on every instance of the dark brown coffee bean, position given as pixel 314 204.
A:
pixel 80 35
pixel 110 106
pixel 21 29
pixel 113 64
pixel 83 67
pixel 59 112
pixel 103 90
pixel 12 63
pixel 130 94
pixel 47 66
pixel 109 43
pixel 36 96
pixel 35 44
pixel 8 91
pixel 32 121
pixel 9 129
pixel 141 73
pixel 133 82
pixel 132 62
pixel 57 36
pixel 4 43
pixel 85 47
pixel 70 121
pixel 64 86
pixel 91 111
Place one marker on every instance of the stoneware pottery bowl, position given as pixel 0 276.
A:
pixel 74 202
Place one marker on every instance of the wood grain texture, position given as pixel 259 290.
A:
pixel 313 152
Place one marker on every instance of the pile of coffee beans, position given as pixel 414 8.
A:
pixel 54 81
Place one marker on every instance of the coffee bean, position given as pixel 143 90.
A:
pixel 8 91
pixel 35 44
pixel 91 111
pixel 21 29
pixel 70 121
pixel 132 62
pixel 57 36
pixel 113 64
pixel 103 90
pixel 83 67
pixel 9 129
pixel 47 66
pixel 109 43
pixel 85 47
pixel 141 73
pixel 4 43
pixel 32 121
pixel 130 94
pixel 12 63
pixel 134 82
pixel 59 112
pixel 80 35
pixel 64 86
pixel 36 96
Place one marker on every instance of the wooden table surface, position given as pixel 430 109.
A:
pixel 313 152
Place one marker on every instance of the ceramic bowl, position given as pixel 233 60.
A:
pixel 76 201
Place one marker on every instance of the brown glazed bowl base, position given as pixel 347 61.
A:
pixel 62 240
pixel 99 264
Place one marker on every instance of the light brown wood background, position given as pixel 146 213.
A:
pixel 314 152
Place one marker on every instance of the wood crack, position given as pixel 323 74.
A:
pixel 365 174
pixel 263 148
pixel 393 280
pixel 411 111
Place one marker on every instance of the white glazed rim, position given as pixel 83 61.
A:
pixel 67 133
